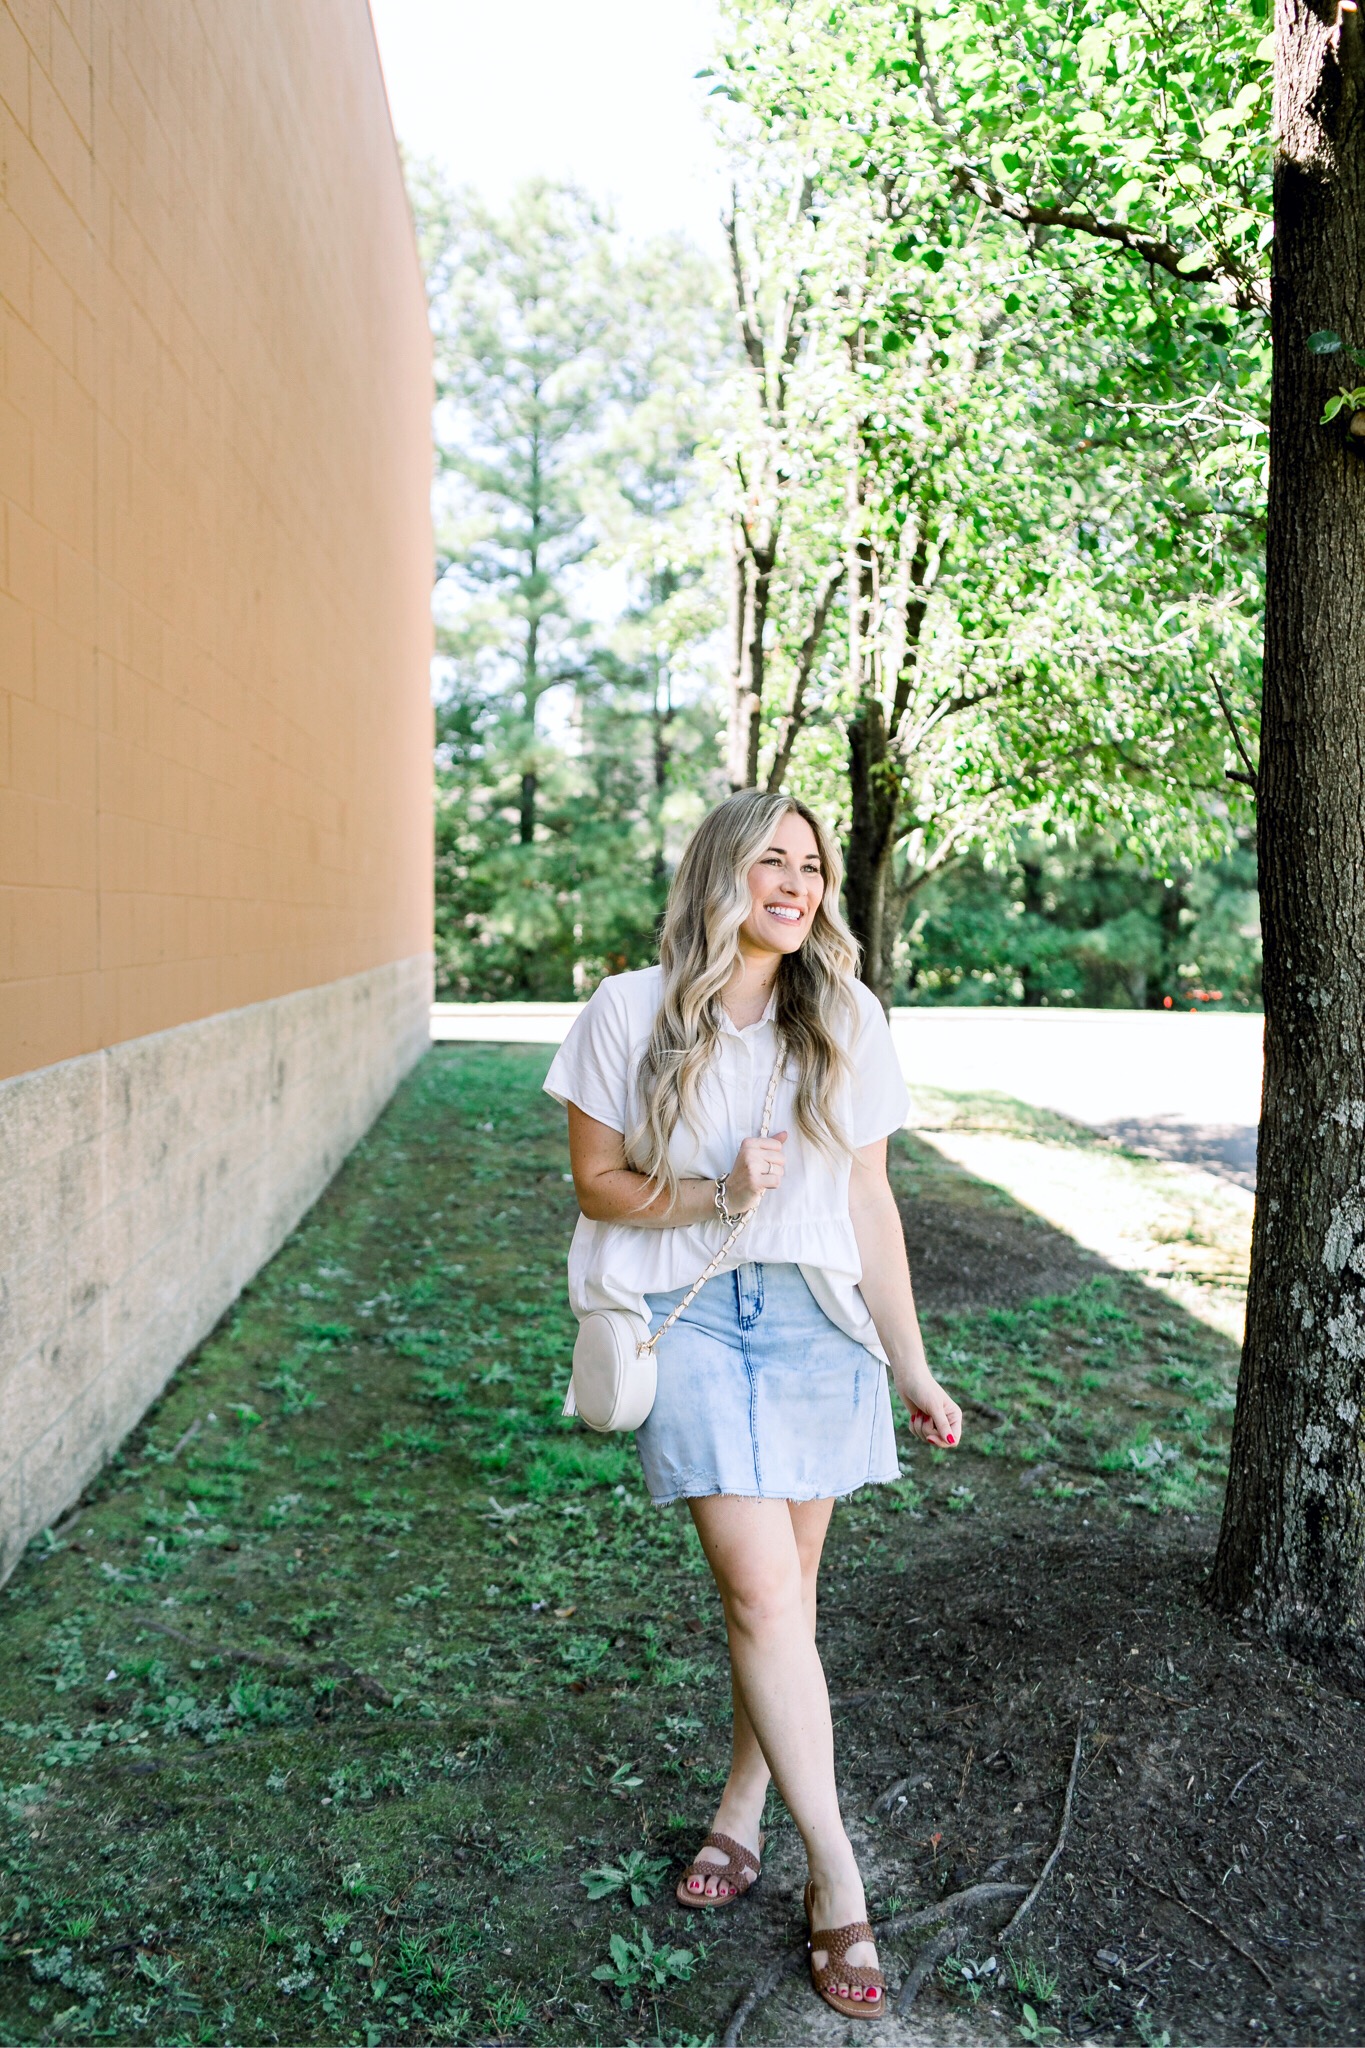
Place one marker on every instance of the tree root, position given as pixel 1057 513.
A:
pixel 956 1902
pixel 886 1800
pixel 763 1986
pixel 935 1950
pixel 1002 1863
pixel 1008 1932
pixel 951 1909
pixel 996 1415
pixel 768 1979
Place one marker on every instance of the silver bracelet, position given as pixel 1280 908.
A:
pixel 722 1206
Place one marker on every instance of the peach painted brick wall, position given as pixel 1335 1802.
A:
pixel 215 551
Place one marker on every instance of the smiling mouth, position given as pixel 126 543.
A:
pixel 785 912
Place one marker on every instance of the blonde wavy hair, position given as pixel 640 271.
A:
pixel 707 904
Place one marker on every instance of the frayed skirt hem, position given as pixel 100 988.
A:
pixel 668 1500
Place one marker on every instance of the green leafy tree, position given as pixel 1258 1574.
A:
pixel 651 500
pixel 1048 921
pixel 1030 627
pixel 1131 140
pixel 521 309
pixel 1129 126
pixel 573 603
pixel 1157 158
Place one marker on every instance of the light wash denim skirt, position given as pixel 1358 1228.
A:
pixel 760 1394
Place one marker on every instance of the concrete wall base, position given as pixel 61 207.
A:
pixel 140 1189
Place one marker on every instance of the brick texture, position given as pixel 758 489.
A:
pixel 215 551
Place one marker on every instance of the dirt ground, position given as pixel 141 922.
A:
pixel 1210 1886
pixel 367 1701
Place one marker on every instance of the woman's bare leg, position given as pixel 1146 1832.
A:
pixel 751 1547
pixel 741 1803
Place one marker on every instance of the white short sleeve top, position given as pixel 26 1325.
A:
pixel 805 1222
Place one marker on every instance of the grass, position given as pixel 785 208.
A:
pixel 380 1706
pixel 1096 1386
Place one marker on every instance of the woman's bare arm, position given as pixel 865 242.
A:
pixel 890 1298
pixel 609 1191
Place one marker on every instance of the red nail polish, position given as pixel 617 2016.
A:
pixel 952 1439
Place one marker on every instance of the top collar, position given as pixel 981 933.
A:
pixel 736 1031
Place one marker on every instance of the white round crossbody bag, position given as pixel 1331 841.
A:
pixel 614 1372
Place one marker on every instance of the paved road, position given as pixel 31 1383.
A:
pixel 1178 1085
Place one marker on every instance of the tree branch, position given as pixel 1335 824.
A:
pixel 916 606
pixel 793 324
pixel 795 715
pixel 1249 777
pixel 749 335
pixel 1247 291
pixel 961 829
pixel 952 704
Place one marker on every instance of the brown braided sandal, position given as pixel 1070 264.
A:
pixel 836 1942
pixel 740 1870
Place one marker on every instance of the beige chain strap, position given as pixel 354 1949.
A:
pixel 732 1240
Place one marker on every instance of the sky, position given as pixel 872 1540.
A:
pixel 600 91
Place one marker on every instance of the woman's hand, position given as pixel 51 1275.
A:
pixel 758 1169
pixel 935 1416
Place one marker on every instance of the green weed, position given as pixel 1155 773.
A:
pixel 1032 2029
pixel 639 1965
pixel 508 2012
pixel 295 1397
pixel 636 1875
pixel 311 1621
pixel 254 1701
pixel 1032 1980
pixel 575 1464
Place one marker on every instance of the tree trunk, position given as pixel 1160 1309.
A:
pixel 895 902
pixel 661 719
pixel 1291 1554
pixel 530 693
pixel 1172 940
pixel 739 609
pixel 794 717
pixel 874 805
pixel 751 594
pixel 873 787
pixel 1035 905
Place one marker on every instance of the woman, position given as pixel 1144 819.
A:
pixel 772 1396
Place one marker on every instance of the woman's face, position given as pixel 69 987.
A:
pixel 785 888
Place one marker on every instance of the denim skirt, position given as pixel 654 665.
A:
pixel 760 1394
